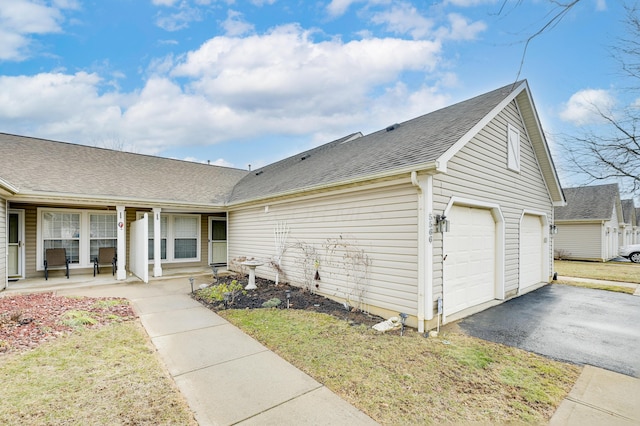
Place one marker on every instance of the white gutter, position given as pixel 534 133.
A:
pixel 65 198
pixel 424 186
pixel 6 186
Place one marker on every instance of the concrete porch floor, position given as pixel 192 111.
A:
pixel 201 275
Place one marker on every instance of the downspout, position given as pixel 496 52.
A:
pixel 424 186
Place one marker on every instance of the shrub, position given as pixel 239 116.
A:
pixel 217 292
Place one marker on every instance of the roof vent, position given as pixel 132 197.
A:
pixel 392 127
pixel 259 173
pixel 304 157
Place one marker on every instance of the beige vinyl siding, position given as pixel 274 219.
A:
pixel 380 220
pixel 580 240
pixel 3 243
pixel 479 172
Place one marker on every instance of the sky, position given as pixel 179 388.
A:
pixel 241 83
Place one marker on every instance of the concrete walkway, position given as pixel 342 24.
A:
pixel 226 376
pixel 600 397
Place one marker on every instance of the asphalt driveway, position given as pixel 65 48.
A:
pixel 578 325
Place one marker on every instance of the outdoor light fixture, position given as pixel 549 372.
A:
pixel 403 320
pixel 191 279
pixel 553 229
pixel 227 298
pixel 442 223
pixel 288 296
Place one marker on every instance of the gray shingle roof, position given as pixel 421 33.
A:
pixel 629 211
pixel 38 166
pixel 589 203
pixel 414 142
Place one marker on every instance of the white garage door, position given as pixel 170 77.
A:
pixel 531 246
pixel 471 258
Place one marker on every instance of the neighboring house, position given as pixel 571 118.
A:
pixel 589 225
pixel 367 213
pixel 628 231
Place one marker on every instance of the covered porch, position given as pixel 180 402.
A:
pixel 58 281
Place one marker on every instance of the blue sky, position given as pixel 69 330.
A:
pixel 251 82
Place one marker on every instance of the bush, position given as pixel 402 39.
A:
pixel 217 292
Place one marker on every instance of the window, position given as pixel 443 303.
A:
pixel 513 148
pixel 102 228
pixel 80 232
pixel 186 237
pixel 180 237
pixel 163 236
pixel 62 230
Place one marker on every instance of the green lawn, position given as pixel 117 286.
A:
pixel 411 379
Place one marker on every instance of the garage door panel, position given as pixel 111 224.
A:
pixel 470 263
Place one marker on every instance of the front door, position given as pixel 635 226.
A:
pixel 16 244
pixel 218 241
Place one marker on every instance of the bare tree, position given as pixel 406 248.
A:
pixel 609 147
pixel 559 10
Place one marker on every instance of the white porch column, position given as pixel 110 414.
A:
pixel 122 243
pixel 157 239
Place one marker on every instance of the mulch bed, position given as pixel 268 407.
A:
pixel 29 320
pixel 300 299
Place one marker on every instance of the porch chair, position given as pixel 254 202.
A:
pixel 55 257
pixel 106 256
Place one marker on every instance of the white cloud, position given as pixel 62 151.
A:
pixel 601 5
pixel 234 25
pixel 461 29
pixel 339 7
pixel 180 19
pixel 262 2
pixel 404 18
pixel 279 84
pixel 19 19
pixel 470 3
pixel 583 106
pixel 219 162
pixel 64 105
pixel 285 68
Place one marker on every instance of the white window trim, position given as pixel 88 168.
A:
pixel 84 257
pixel 171 237
pixel 513 150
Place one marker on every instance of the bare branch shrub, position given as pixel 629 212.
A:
pixel 345 255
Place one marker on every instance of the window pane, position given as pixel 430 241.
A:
pixel 163 249
pixel 186 227
pixel 185 248
pixel 219 230
pixel 72 248
pixel 103 226
pixel 60 225
pixel 96 244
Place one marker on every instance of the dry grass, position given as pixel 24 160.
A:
pixel 610 271
pixel 616 288
pixel 106 376
pixel 414 380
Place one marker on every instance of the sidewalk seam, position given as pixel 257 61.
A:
pixel 595 407
pixel 320 386
pixel 217 363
